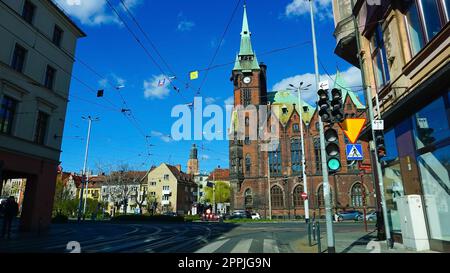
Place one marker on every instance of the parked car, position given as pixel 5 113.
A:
pixel 349 215
pixel 169 213
pixel 241 214
pixel 256 216
pixel 371 216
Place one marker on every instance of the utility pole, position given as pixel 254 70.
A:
pixel 326 184
pixel 214 192
pixel 368 98
pixel 80 205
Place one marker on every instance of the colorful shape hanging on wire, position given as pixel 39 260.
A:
pixel 193 75
pixel 161 82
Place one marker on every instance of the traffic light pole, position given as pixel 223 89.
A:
pixel 326 184
pixel 368 98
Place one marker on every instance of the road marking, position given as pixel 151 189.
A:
pixel 212 247
pixel 270 246
pixel 243 246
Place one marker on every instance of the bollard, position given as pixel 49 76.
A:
pixel 319 246
pixel 314 230
pixel 309 232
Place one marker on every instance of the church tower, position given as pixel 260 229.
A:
pixel 192 164
pixel 249 88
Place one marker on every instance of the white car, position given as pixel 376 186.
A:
pixel 256 216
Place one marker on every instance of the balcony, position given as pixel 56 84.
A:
pixel 165 202
pixel 167 192
pixel 346 47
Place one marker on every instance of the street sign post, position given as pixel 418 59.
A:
pixel 378 124
pixel 354 152
pixel 324 85
pixel 304 195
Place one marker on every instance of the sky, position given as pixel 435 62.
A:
pixel 186 35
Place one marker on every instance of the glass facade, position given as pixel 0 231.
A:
pixel 392 179
pixel 432 138
pixel 431 148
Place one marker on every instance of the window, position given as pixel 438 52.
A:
pixel 165 198
pixel 277 197
pixel 7 111
pixel 49 77
pixel 379 58
pixel 357 195
pixel 57 36
pixel 246 97
pixel 166 177
pixel 298 200
pixel 18 58
pixel 166 188
pixel 349 107
pixel 275 162
pixel 152 193
pixel 247 121
pixel 425 18
pixel 247 140
pixel 295 128
pixel 296 156
pixel 248 163
pixel 41 128
pixel 248 198
pixel 317 155
pixel 28 11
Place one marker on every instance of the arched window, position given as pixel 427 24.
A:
pixel 296 155
pixel 320 197
pixel 248 163
pixel 248 198
pixel 357 195
pixel 277 197
pixel 298 200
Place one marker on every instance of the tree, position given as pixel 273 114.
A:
pixel 62 197
pixel 222 192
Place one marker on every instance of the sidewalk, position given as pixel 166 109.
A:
pixel 354 242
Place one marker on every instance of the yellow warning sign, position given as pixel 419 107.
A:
pixel 352 128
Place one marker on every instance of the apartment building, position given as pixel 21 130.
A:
pixel 37 51
pixel 171 189
pixel 404 50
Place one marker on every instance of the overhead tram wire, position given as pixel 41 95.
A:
pixel 144 48
pixel 219 45
pixel 152 44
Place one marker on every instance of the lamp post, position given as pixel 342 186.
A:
pixel 83 184
pixel 298 89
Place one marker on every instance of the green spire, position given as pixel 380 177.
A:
pixel 340 83
pixel 246 59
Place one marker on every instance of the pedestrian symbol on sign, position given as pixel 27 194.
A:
pixel 354 152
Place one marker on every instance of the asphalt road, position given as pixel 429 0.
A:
pixel 106 237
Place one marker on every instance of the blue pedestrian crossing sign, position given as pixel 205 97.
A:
pixel 354 152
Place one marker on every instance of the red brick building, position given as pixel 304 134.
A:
pixel 249 160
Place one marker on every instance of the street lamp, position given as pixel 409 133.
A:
pixel 298 89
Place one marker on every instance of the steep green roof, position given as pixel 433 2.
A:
pixel 288 99
pixel 246 60
pixel 340 83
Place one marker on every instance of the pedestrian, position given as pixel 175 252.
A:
pixel 11 209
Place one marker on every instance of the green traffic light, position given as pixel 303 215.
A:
pixel 334 164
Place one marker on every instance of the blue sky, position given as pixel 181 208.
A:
pixel 186 33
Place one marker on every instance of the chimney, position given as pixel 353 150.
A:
pixel 178 166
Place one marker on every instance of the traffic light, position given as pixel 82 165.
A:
pixel 379 144
pixel 332 150
pixel 324 106
pixel 337 110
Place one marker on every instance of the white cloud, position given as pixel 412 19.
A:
pixel 323 9
pixel 352 77
pixel 153 91
pixel 185 25
pixel 93 12
pixel 163 137
pixel 229 101
pixel 111 80
pixel 205 157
